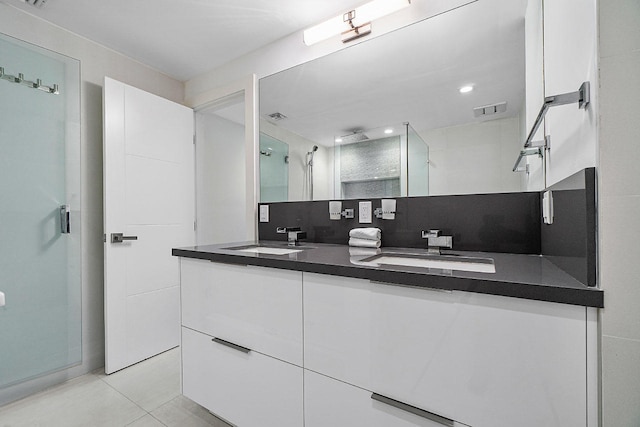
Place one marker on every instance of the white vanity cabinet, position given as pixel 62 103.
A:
pixel 242 342
pixel 272 347
pixel 477 359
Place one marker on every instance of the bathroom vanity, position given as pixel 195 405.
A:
pixel 321 335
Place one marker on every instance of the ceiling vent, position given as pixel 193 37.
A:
pixel 277 116
pixel 37 3
pixel 488 110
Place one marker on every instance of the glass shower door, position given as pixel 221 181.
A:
pixel 274 169
pixel 417 164
pixel 40 323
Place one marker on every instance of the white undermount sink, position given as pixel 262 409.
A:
pixel 267 250
pixel 444 262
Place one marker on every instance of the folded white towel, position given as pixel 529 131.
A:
pixel 369 233
pixel 363 252
pixel 364 243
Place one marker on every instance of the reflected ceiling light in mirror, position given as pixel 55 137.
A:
pixel 354 23
pixel 466 89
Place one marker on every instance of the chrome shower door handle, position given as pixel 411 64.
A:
pixel 65 227
pixel 119 238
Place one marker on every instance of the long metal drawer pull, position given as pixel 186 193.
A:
pixel 416 411
pixel 231 345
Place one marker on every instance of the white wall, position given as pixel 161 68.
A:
pixel 474 158
pixel 619 209
pixel 220 180
pixel 570 58
pixel 534 89
pixel 96 63
pixel 291 51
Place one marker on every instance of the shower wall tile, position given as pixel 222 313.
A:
pixel 378 159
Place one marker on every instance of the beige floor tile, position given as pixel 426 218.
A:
pixel 151 383
pixel 182 412
pixel 146 421
pixel 85 401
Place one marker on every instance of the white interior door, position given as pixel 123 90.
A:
pixel 149 198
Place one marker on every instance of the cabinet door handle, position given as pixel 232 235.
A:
pixel 231 345
pixel 417 411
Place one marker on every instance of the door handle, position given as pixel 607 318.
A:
pixel 65 227
pixel 119 238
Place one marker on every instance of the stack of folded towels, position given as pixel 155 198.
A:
pixel 365 237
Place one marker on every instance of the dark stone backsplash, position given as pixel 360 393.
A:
pixel 508 222
pixel 502 222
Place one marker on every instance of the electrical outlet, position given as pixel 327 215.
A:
pixel 264 213
pixel 364 212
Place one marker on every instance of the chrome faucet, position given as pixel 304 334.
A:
pixel 294 234
pixel 435 241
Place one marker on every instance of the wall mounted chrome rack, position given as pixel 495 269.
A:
pixel 28 83
pixel 582 96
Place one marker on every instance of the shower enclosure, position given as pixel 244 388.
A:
pixel 40 321
pixel 274 169
pixel 388 161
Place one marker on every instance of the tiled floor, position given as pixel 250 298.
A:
pixel 143 395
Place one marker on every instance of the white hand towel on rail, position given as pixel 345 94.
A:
pixel 369 233
pixel 364 243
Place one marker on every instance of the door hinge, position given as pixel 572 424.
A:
pixel 195 225
pixel 194 139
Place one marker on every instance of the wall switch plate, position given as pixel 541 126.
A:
pixel 264 213
pixel 335 210
pixel 364 212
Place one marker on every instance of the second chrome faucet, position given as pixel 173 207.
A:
pixel 435 241
pixel 294 234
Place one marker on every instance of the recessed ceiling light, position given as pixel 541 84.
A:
pixel 466 89
pixel 338 140
pixel 388 131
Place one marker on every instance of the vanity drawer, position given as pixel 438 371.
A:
pixel 390 339
pixel 255 307
pixel 246 389
pixel 480 359
pixel 328 402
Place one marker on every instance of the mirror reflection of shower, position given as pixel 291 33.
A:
pixel 274 169
pixel 308 174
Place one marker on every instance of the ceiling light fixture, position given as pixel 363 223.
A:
pixel 466 89
pixel 388 131
pixel 354 23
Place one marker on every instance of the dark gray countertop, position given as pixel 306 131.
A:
pixel 520 276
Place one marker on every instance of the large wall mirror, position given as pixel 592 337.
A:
pixel 386 117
